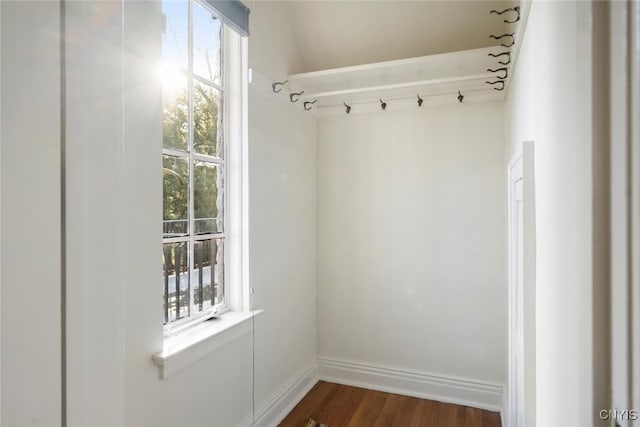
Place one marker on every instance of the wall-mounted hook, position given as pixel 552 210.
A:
pixel 500 82
pixel 308 104
pixel 511 9
pixel 347 107
pixel 498 70
pixel 420 101
pixel 513 39
pixel 277 86
pixel 296 94
pixel 460 97
pixel 383 104
pixel 498 55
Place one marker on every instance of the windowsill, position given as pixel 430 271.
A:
pixel 201 340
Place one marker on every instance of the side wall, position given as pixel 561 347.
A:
pixel 412 249
pixel 30 262
pixel 549 102
pixel 282 167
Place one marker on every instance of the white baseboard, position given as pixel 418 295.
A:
pixel 442 388
pixel 273 410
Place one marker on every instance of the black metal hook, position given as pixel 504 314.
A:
pixel 511 9
pixel 495 83
pixel 291 95
pixel 383 104
pixel 460 97
pixel 498 70
pixel 420 101
pixel 348 107
pixel 276 84
pixel 307 103
pixel 513 39
pixel 508 53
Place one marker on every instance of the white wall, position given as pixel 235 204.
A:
pixel 31 388
pixel 114 200
pixel 550 103
pixel 283 238
pixel 411 241
pixel 282 167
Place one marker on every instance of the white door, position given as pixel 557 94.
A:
pixel 516 296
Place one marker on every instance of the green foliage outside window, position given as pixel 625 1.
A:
pixel 207 176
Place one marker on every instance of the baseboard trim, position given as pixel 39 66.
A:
pixel 273 410
pixel 461 391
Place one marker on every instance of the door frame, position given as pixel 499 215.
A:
pixel 521 166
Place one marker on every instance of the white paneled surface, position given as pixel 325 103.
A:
pixel 411 241
pixel 31 333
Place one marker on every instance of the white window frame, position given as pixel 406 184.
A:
pixel 236 68
pixel 233 87
pixel 195 341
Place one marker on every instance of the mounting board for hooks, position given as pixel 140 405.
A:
pixel 436 78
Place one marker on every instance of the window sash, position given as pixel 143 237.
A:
pixel 194 156
pixel 196 315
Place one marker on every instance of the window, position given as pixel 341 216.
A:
pixel 194 164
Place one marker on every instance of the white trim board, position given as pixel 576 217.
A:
pixel 203 339
pixel 434 75
pixel 443 388
pixel 278 405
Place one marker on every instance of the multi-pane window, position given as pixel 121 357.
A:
pixel 193 158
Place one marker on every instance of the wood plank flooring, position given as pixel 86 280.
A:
pixel 345 406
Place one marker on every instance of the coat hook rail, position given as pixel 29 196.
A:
pixel 277 86
pixel 417 99
pixel 295 95
pixel 510 9
pixel 498 55
pixel 513 39
pixel 500 82
pixel 308 104
pixel 500 70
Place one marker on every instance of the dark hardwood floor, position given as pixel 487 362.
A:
pixel 344 406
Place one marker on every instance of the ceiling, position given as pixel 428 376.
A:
pixel 332 34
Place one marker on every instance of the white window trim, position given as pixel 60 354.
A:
pixel 202 340
pixel 236 129
pixel 196 341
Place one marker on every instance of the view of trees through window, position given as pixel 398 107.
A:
pixel 193 160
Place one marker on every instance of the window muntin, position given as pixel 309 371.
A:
pixel 193 163
pixel 206 49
